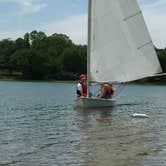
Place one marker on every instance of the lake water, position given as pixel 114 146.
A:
pixel 41 126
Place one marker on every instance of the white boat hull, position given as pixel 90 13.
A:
pixel 94 102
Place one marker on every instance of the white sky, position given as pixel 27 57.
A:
pixel 70 17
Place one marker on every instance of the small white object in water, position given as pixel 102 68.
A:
pixel 136 115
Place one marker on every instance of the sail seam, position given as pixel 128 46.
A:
pixel 127 18
pixel 144 45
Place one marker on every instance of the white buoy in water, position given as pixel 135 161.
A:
pixel 136 115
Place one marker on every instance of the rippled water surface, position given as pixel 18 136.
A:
pixel 41 126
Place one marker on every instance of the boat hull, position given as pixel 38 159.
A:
pixel 94 102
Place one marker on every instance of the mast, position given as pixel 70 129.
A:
pixel 88 45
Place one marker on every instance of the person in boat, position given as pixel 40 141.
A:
pixel 106 90
pixel 82 86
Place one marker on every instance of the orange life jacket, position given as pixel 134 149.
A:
pixel 106 91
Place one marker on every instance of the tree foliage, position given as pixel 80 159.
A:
pixel 38 56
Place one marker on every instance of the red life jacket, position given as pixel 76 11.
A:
pixel 84 89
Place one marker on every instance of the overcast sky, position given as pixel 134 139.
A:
pixel 70 17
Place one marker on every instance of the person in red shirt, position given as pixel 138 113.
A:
pixel 82 86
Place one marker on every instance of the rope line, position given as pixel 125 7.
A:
pixel 120 88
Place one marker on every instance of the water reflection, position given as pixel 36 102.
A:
pixel 116 138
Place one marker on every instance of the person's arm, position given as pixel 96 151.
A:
pixel 79 88
pixel 103 92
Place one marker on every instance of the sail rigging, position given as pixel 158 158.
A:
pixel 119 45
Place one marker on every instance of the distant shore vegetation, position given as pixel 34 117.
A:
pixel 37 56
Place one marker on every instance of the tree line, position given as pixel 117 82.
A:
pixel 37 56
pixel 161 53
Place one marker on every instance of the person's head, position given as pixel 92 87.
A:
pixel 102 85
pixel 82 77
pixel 105 85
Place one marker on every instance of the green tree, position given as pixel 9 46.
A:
pixel 22 43
pixel 162 58
pixel 72 62
pixel 7 48
pixel 59 42
pixel 38 56
pixel 31 63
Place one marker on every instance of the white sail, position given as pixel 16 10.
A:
pixel 121 49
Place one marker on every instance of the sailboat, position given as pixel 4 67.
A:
pixel 120 48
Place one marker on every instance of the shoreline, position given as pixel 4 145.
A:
pixel 24 80
pixel 75 81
